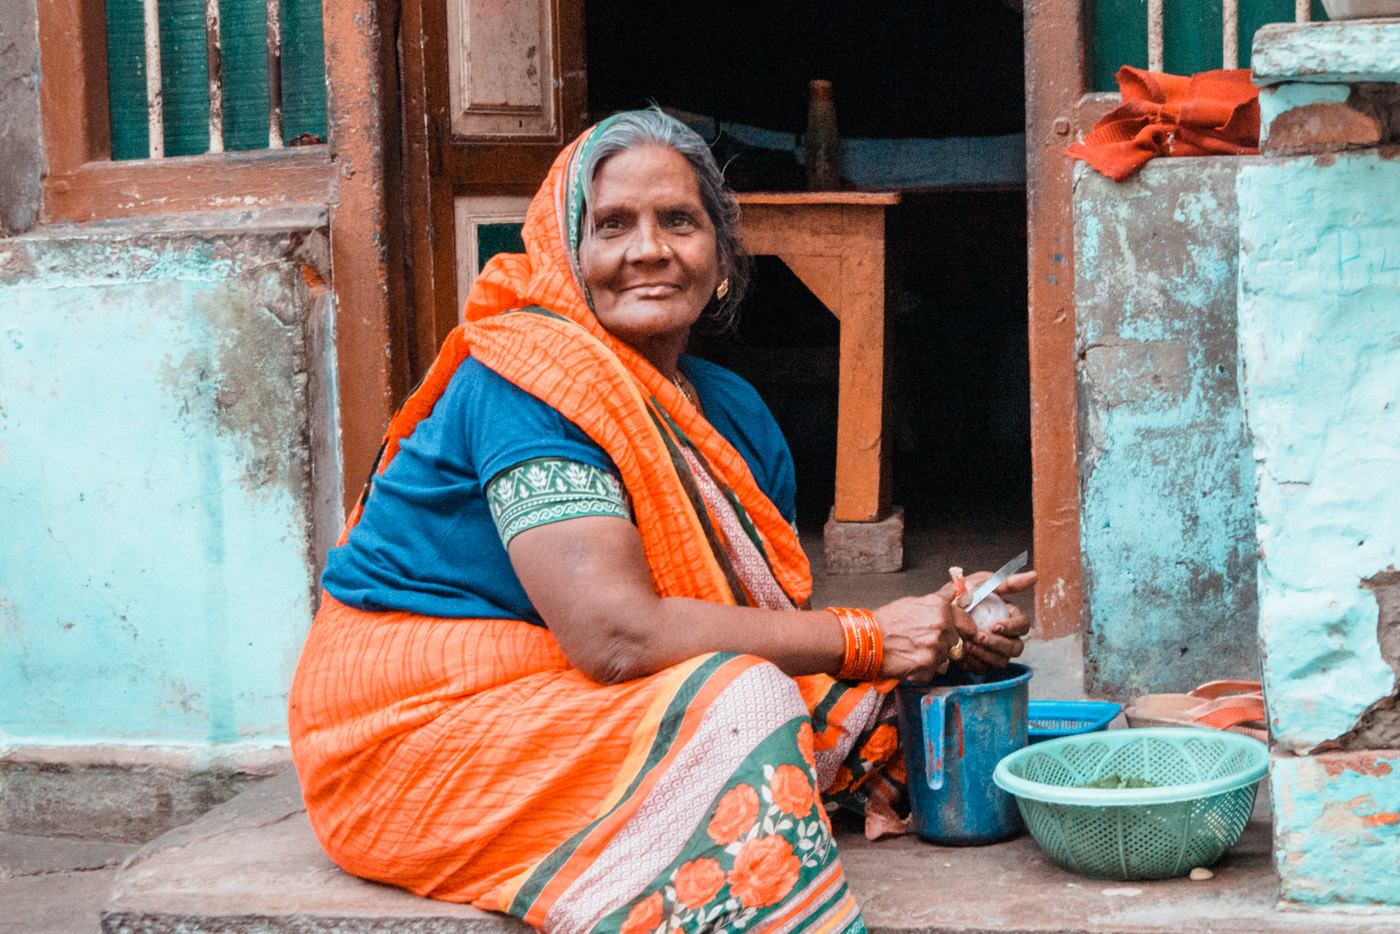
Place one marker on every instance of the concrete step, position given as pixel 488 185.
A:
pixel 252 866
pixel 55 885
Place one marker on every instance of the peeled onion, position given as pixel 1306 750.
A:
pixel 992 609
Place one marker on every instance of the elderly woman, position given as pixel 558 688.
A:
pixel 561 668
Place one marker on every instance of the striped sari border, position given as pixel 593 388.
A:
pixel 842 914
pixel 664 428
pixel 680 717
pixel 827 905
pixel 829 717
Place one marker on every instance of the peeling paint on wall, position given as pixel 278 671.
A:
pixel 1337 828
pixel 157 400
pixel 1320 357
pixel 1342 52
pixel 1166 526
pixel 1379 726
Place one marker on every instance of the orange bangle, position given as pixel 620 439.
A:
pixel 877 646
pixel 850 637
pixel 864 644
pixel 867 650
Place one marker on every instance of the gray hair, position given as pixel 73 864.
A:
pixel 633 128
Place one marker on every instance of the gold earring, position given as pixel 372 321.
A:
pixel 723 289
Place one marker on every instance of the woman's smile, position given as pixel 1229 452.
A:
pixel 648 290
pixel 648 254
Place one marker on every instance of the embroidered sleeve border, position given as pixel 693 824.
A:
pixel 551 489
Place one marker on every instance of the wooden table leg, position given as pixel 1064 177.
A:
pixel 838 252
pixel 862 439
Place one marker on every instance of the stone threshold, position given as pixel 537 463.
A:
pixel 252 866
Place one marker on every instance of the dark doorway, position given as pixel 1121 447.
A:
pixel 959 363
pixel 900 69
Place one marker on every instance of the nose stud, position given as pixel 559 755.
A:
pixel 666 252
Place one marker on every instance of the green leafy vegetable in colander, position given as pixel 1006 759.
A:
pixel 1118 781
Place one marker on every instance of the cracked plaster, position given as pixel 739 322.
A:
pixel 1166 522
pixel 1320 357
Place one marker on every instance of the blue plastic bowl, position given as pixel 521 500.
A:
pixel 1053 719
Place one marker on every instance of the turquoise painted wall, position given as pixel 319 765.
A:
pixel 1166 499
pixel 161 400
pixel 1319 338
pixel 1319 316
pixel 1337 828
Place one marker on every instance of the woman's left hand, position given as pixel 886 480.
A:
pixel 998 642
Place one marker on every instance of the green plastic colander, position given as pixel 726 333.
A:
pixel 1203 785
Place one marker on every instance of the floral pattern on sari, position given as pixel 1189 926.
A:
pixel 873 766
pixel 766 839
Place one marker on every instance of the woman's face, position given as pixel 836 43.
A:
pixel 648 253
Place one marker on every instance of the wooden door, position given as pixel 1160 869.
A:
pixel 493 89
pixel 1055 115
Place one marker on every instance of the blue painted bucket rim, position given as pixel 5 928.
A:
pixel 1019 673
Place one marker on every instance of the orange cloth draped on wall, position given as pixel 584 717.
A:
pixel 1212 113
pixel 467 760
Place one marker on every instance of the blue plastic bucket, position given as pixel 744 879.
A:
pixel 955 730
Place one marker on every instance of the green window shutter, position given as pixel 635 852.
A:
pixel 243 24
pixel 304 71
pixel 184 75
pixel 126 79
pixel 1190 34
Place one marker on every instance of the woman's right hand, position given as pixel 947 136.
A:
pixel 919 632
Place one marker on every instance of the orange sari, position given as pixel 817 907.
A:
pixel 467 760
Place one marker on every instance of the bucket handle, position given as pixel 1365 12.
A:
pixel 933 735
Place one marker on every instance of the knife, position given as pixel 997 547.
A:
pixel 997 579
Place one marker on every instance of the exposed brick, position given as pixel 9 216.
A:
pixel 1322 127
pixel 1379 726
pixel 1370 116
pixel 1363 762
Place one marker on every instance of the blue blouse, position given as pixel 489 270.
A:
pixel 426 542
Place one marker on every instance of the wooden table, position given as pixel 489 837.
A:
pixel 834 241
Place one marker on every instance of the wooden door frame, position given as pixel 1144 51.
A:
pixel 431 157
pixel 428 202
pixel 362 111
pixel 1056 37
